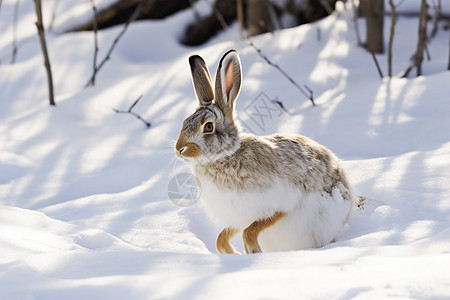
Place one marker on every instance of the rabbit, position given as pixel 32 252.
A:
pixel 283 192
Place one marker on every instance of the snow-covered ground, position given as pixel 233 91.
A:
pixel 84 192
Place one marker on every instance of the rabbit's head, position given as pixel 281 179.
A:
pixel 210 133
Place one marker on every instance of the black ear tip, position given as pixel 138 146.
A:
pixel 192 60
pixel 225 55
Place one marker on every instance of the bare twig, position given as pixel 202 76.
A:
pixel 377 64
pixel 310 91
pixel 132 18
pixel 407 71
pixel 305 91
pixel 427 52
pixel 422 37
pixel 14 42
pixel 280 104
pixel 391 36
pixel 436 17
pixel 417 58
pixel 7 55
pixel 52 20
pixel 221 19
pixel 129 111
pixel 95 27
pixel 41 33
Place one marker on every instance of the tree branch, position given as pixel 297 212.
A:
pixel 14 42
pixel 424 40
pixel 304 90
pixel 52 20
pixel 355 22
pixel 391 36
pixel 95 27
pixel 132 18
pixel 422 37
pixel 7 55
pixel 407 71
pixel 436 17
pixel 280 104
pixel 377 64
pixel 41 33
pixel 129 111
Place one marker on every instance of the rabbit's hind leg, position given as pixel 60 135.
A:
pixel 223 245
pixel 250 234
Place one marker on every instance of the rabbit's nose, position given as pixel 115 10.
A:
pixel 182 149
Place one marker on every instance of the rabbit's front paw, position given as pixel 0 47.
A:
pixel 250 236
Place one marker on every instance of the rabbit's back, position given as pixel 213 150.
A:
pixel 295 159
pixel 309 165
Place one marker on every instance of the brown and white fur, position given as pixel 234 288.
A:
pixel 285 192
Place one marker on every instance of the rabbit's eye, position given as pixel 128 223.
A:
pixel 208 127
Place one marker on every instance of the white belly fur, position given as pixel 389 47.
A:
pixel 312 219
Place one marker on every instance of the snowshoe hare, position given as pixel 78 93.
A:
pixel 285 192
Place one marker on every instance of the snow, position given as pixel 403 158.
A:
pixel 84 205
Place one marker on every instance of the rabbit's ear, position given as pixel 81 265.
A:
pixel 201 80
pixel 228 81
